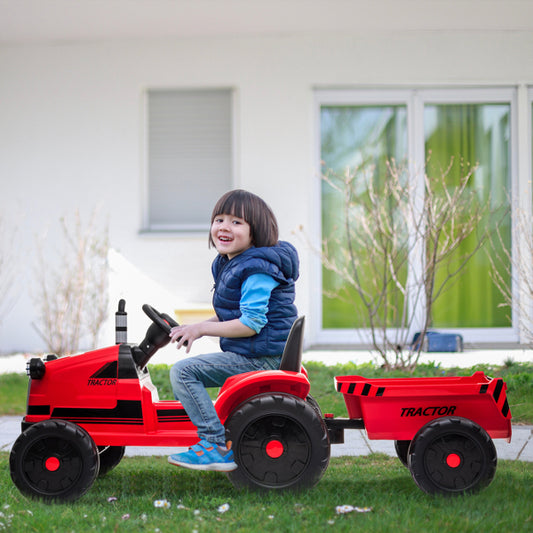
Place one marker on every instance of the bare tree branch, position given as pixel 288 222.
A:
pixel 8 261
pixel 72 295
pixel 386 226
pixel 518 268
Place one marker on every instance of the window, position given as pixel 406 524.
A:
pixel 418 127
pixel 189 156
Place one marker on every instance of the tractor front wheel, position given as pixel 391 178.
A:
pixel 54 460
pixel 402 450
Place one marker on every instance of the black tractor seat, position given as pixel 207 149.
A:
pixel 291 360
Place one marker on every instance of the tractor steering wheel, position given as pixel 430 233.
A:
pixel 161 319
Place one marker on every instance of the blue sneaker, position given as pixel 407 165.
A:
pixel 205 456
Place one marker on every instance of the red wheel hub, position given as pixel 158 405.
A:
pixel 52 464
pixel 453 460
pixel 274 449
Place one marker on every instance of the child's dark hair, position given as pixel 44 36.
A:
pixel 254 210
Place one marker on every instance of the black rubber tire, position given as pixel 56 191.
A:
pixel 314 404
pixel 279 442
pixel 402 450
pixel 110 456
pixel 452 455
pixel 54 460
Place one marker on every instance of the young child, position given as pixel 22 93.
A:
pixel 253 299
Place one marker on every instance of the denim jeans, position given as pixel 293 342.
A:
pixel 190 377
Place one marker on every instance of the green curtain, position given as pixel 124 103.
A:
pixel 354 137
pixel 471 134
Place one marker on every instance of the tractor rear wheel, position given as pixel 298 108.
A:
pixel 279 442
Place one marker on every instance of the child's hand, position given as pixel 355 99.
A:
pixel 185 335
pixel 175 334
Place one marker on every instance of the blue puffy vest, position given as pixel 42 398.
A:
pixel 280 262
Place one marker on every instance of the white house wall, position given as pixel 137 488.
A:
pixel 72 135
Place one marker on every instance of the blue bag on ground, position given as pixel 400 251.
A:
pixel 439 342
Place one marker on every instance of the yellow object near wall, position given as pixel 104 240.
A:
pixel 193 315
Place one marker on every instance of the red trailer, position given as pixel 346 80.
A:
pixel 442 427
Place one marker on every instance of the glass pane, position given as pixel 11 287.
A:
pixel 471 134
pixel 364 138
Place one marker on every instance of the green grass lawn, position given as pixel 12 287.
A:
pixel 13 394
pixel 124 501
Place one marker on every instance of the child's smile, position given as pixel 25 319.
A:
pixel 231 235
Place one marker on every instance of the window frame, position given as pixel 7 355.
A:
pixel 414 99
pixel 148 228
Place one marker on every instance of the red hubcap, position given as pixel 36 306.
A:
pixel 52 464
pixel 274 449
pixel 453 460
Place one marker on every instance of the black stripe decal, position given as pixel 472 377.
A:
pixel 107 421
pixel 505 408
pixel 483 389
pixel 109 370
pixel 38 410
pixel 380 391
pixel 351 388
pixel 172 419
pixel 498 389
pixel 171 412
pixel 126 365
pixel 125 410
pixel 366 389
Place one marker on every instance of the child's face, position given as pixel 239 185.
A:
pixel 231 235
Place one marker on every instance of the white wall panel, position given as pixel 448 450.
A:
pixel 72 131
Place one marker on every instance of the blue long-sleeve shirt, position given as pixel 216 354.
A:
pixel 255 295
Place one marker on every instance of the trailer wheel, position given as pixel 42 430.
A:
pixel 402 450
pixel 279 442
pixel 452 455
pixel 110 456
pixel 54 460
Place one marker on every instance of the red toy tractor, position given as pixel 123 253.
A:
pixel 83 410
